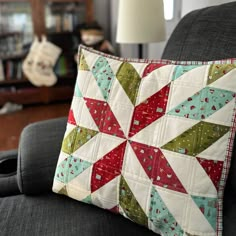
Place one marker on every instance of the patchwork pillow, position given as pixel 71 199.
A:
pixel 150 140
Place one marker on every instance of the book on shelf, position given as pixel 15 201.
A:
pixel 11 89
pixel 2 76
pixel 63 67
pixel 11 44
pixel 19 74
pixel 8 70
pixel 62 23
pixel 12 70
pixel 58 23
pixel 68 22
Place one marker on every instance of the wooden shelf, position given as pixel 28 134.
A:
pixel 63 1
pixel 7 34
pixel 37 95
pixel 14 56
pixel 22 91
pixel 61 79
pixel 13 82
pixel 7 1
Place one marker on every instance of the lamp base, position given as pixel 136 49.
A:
pixel 140 50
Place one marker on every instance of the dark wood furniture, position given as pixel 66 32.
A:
pixel 21 90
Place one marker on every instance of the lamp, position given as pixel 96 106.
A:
pixel 140 21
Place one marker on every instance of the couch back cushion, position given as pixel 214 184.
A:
pixel 204 35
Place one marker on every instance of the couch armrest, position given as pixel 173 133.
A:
pixel 8 181
pixel 39 148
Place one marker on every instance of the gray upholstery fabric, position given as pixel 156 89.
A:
pixel 8 181
pixel 210 34
pixel 51 214
pixel 229 211
pixel 231 181
pixel 206 34
pixel 229 207
pixel 39 148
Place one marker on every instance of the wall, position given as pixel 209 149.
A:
pixel 102 14
pixel 106 12
pixel 190 5
pixel 155 50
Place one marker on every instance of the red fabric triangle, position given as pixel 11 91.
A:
pixel 213 169
pixel 104 117
pixel 115 209
pixel 150 110
pixel 157 167
pixel 108 167
pixel 71 118
pixel 151 67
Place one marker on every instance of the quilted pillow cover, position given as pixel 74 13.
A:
pixel 150 140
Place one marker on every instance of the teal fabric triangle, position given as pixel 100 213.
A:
pixel 208 207
pixel 61 170
pixel 88 199
pixel 70 168
pixel 103 75
pixel 161 217
pixel 77 91
pixel 203 103
pixel 181 70
pixel 76 167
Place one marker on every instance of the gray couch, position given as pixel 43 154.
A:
pixel 27 205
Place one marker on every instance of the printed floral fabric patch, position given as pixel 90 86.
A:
pixel 151 141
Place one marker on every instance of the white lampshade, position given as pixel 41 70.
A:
pixel 140 21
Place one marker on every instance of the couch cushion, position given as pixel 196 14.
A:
pixel 53 215
pixel 143 136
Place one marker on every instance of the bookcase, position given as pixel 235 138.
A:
pixel 20 20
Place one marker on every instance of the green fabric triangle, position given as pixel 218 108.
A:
pixel 161 217
pixel 82 63
pixel 216 71
pixel 208 207
pixel 63 191
pixel 196 139
pixel 77 138
pixel 129 80
pixel 104 76
pixel 69 168
pixel 88 199
pixel 180 70
pixel 130 205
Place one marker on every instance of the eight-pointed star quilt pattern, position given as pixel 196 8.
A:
pixel 151 141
